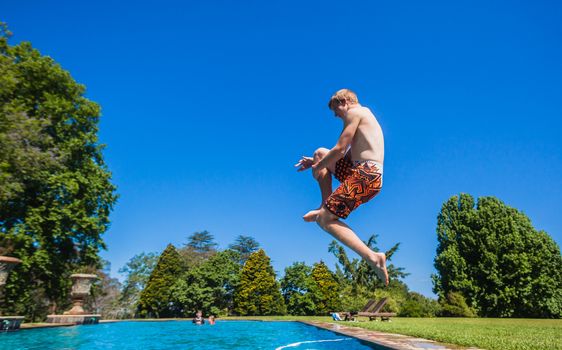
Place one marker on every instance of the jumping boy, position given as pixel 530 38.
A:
pixel 357 162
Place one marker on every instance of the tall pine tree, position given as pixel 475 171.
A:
pixel 258 291
pixel 324 289
pixel 156 300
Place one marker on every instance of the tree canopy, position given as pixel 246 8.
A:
pixel 245 246
pixel 492 255
pixel 137 271
pixel 295 287
pixel 209 287
pixel 200 246
pixel 55 188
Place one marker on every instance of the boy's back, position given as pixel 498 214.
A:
pixel 368 141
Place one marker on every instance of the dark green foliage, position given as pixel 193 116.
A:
pixel 209 287
pixel 295 286
pixel 324 289
pixel 494 257
pixel 310 291
pixel 156 300
pixel 258 292
pixel 137 271
pixel 55 189
pixel 417 305
pixel 454 305
pixel 244 245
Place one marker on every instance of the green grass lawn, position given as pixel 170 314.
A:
pixel 484 333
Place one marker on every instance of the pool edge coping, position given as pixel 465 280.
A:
pixel 390 341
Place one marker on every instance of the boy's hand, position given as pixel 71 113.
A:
pixel 304 163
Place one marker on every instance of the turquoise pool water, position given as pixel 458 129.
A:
pixel 182 335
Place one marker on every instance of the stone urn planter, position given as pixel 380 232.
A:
pixel 81 285
pixel 7 263
pixel 8 323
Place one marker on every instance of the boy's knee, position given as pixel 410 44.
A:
pixel 324 218
pixel 320 153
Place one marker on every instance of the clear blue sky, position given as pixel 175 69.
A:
pixel 208 104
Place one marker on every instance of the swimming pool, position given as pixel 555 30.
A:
pixel 182 335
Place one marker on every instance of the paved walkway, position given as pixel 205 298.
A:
pixel 386 340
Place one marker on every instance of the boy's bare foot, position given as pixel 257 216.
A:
pixel 311 215
pixel 378 263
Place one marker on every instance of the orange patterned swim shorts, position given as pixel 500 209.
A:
pixel 360 182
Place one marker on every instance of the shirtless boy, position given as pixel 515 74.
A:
pixel 357 162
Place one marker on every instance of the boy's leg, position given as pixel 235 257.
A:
pixel 343 233
pixel 324 178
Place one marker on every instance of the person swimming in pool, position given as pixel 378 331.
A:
pixel 357 162
pixel 198 319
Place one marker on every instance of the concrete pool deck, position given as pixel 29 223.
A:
pixel 387 340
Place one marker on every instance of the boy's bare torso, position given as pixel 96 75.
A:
pixel 368 141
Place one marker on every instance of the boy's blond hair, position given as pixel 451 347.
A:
pixel 341 96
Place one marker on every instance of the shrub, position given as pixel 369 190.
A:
pixel 417 305
pixel 454 305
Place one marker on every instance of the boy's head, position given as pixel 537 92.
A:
pixel 342 97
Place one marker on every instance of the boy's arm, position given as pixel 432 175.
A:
pixel 338 151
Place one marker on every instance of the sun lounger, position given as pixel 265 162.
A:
pixel 372 310
pixel 367 308
pixel 376 312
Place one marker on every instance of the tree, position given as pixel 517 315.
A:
pixel 202 242
pixel 199 247
pixel 417 305
pixel 244 245
pixel 492 255
pixel 359 283
pixel 105 294
pixel 258 291
pixel 295 286
pixel 358 273
pixel 55 189
pixel 454 305
pixel 324 289
pixel 156 299
pixel 210 286
pixel 137 271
